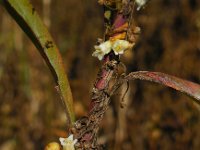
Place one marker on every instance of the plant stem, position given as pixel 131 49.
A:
pixel 86 128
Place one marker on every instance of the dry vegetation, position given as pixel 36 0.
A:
pixel 155 117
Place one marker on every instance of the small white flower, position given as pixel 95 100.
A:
pixel 102 49
pixel 98 53
pixel 140 3
pixel 119 46
pixel 68 143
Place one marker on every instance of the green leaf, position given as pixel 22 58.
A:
pixel 28 19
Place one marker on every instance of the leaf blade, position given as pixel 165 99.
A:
pixel 184 86
pixel 28 19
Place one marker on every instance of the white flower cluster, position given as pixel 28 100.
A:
pixel 68 143
pixel 118 46
pixel 140 3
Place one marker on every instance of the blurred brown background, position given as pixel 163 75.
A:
pixel 155 118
